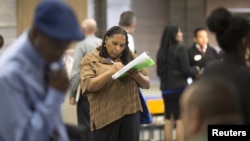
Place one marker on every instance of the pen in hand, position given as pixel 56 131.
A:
pixel 116 65
pixel 110 60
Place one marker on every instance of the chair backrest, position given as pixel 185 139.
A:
pixel 155 106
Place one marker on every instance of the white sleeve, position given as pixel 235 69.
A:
pixel 131 44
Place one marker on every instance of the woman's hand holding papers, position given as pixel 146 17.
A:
pixel 133 73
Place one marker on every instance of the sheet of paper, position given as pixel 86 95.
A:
pixel 78 92
pixel 140 62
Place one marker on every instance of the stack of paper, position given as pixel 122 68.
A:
pixel 140 62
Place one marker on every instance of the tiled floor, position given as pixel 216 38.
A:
pixel 154 131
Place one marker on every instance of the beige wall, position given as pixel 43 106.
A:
pixel 151 20
pixel 8 20
pixel 212 4
pixel 25 11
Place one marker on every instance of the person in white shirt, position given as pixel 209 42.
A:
pixel 201 53
pixel 128 22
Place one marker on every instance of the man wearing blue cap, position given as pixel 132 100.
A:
pixel 32 81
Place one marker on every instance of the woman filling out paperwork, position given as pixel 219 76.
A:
pixel 114 103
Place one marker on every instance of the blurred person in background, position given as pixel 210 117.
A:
pixel 203 103
pixel 173 68
pixel 201 52
pixel 33 80
pixel 90 42
pixel 128 22
pixel 233 35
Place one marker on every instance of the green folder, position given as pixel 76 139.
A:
pixel 140 62
pixel 148 63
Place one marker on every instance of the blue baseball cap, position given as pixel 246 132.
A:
pixel 57 20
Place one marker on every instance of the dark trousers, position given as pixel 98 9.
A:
pixel 125 129
pixel 83 117
pixel 74 132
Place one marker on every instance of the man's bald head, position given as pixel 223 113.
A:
pixel 89 26
pixel 210 100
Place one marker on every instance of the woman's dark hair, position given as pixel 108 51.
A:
pixel 126 56
pixel 196 30
pixel 168 41
pixel 229 30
